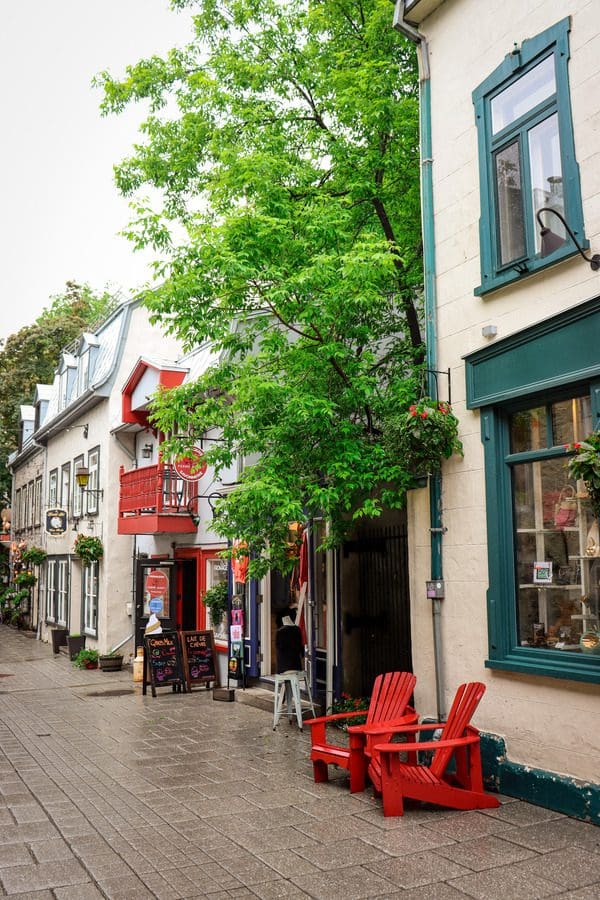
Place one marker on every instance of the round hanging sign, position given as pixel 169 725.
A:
pixel 192 467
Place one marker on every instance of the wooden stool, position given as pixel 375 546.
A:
pixel 288 683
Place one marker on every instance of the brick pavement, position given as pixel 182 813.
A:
pixel 105 793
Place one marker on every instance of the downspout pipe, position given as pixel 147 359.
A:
pixel 430 301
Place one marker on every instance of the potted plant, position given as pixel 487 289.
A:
pixel 58 635
pixel 88 548
pixel 348 704
pixel 216 601
pixel 424 435
pixel 111 661
pixel 584 465
pixel 86 659
pixel 75 643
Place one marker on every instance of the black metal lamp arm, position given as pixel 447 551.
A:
pixel 594 260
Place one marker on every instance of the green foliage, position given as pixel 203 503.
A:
pixel 25 579
pixel 29 357
pixel 348 704
pixel 424 436
pixel 216 600
pixel 86 657
pixel 284 142
pixel 585 465
pixel 34 556
pixel 88 548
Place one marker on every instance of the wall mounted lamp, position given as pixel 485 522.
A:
pixel 82 476
pixel 552 241
pixel 147 451
pixel 214 495
pixel 85 427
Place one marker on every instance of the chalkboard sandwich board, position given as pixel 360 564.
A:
pixel 162 662
pixel 199 658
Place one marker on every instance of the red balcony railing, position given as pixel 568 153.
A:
pixel 155 498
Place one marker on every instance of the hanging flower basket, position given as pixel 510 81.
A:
pixel 35 556
pixel 89 549
pixel 424 436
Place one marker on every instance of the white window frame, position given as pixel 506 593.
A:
pixel 37 501
pixel 51 591
pixel 62 593
pixel 93 483
pixel 53 489
pixel 89 606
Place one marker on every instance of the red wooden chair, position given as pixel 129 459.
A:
pixel 388 708
pixel 433 783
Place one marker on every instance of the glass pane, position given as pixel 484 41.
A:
pixel 523 95
pixel 557 581
pixel 216 572
pixel 571 420
pixel 156 593
pixel 547 184
pixel 510 204
pixel 528 430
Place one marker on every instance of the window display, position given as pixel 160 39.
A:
pixel 556 554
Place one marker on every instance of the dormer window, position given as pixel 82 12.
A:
pixel 86 352
pixel 66 378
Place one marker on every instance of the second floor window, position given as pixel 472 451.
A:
pixel 527 161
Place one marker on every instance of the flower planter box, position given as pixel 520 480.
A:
pixel 59 638
pixel 75 643
pixel 111 663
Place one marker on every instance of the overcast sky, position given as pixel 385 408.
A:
pixel 60 211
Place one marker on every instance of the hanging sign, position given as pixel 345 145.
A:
pixel 191 467
pixel 56 521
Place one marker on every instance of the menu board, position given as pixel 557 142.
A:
pixel 199 659
pixel 162 662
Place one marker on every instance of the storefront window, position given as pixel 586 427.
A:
pixel 216 573
pixel 557 580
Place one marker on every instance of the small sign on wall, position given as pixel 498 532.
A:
pixel 57 521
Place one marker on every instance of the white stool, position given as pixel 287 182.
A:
pixel 288 684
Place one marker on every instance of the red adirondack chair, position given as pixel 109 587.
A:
pixel 433 783
pixel 388 708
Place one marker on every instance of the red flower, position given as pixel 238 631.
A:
pixel 424 415
pixel 345 696
pixel 576 446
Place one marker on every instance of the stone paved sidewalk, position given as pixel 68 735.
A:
pixel 105 793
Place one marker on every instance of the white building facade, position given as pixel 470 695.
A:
pixel 511 188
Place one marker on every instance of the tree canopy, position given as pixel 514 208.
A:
pixel 30 356
pixel 283 141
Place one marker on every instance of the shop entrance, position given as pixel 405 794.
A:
pixel 154 593
pixel 375 604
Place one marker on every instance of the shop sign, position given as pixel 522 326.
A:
pixel 56 521
pixel 191 467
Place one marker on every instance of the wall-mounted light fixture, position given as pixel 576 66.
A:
pixel 551 241
pixel 85 427
pixel 214 495
pixel 82 477
pixel 147 451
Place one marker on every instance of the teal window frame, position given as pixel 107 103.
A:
pixel 554 359
pixel 554 41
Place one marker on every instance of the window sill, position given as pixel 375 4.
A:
pixel 550 664
pixel 537 264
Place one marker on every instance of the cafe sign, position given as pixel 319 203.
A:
pixel 56 521
pixel 191 467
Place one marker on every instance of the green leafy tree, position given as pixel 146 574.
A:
pixel 283 141
pixel 30 357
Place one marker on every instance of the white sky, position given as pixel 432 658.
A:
pixel 60 210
